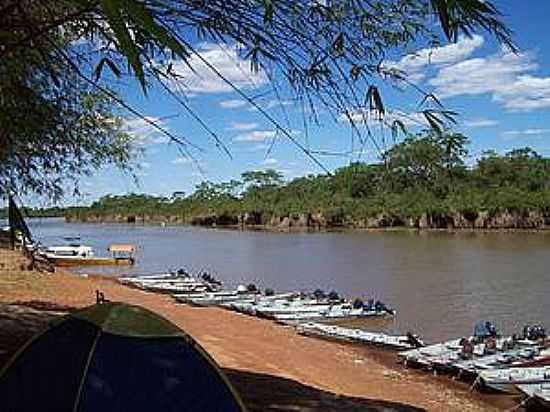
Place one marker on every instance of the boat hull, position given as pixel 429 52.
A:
pixel 90 261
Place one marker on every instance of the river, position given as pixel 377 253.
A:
pixel 440 283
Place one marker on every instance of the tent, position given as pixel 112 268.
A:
pixel 114 357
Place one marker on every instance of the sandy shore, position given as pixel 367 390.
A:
pixel 272 367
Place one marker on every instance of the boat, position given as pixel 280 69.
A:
pixel 179 282
pixel 215 298
pixel 538 395
pixel 336 311
pixel 334 332
pixel 485 350
pixel 76 254
pixel 505 380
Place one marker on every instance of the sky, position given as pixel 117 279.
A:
pixel 503 102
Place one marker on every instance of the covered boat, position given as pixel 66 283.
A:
pixel 76 254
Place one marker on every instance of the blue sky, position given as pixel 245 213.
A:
pixel 503 101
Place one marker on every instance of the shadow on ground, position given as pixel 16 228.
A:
pixel 259 392
pixel 272 393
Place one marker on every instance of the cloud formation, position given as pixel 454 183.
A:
pixel 255 136
pixel 414 64
pixel 523 133
pixel 270 161
pixel 363 115
pixel 143 133
pixel 505 76
pixel 481 122
pixel 233 103
pixel 243 126
pixel 182 160
pixel 227 61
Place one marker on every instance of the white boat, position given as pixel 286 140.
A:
pixel 76 254
pixel 537 393
pixel 214 298
pixel 505 380
pixel 358 335
pixel 338 311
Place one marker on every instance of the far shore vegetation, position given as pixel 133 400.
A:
pixel 424 181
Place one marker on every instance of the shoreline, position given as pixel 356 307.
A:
pixel 246 345
pixel 310 229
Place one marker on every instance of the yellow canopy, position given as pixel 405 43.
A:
pixel 119 248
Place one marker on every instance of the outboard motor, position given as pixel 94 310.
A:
pixel 370 304
pixel 252 287
pixel 534 332
pixel 414 340
pixel 333 295
pixel 358 304
pixel 319 294
pixel 269 292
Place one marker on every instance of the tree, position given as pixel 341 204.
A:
pixel 54 126
pixel 331 53
pixel 416 162
pixel 259 179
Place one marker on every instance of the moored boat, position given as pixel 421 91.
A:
pixel 334 332
pixel 505 380
pixel 76 254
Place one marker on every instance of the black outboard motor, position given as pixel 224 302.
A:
pixel 269 292
pixel 534 332
pixel 319 294
pixel 251 288
pixel 182 272
pixel 414 341
pixel 358 304
pixel 370 304
pixel 333 295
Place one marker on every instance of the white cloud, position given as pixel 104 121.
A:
pixel 527 132
pixel 243 126
pixel 260 147
pixel 413 64
pixel 233 104
pixel 227 61
pixel 270 161
pixel 480 123
pixel 363 115
pixel 505 76
pixel 525 93
pixel 143 133
pixel 255 136
pixel 181 160
pixel 270 104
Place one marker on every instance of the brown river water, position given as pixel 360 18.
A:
pixel 440 283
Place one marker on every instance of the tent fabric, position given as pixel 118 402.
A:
pixel 90 362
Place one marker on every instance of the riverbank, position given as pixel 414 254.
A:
pixel 296 228
pixel 258 355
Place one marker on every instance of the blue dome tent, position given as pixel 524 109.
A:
pixel 114 357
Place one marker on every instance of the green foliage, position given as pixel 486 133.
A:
pixel 54 127
pixel 328 52
pixel 420 176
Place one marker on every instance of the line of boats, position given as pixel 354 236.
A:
pixel 205 290
pixel 513 364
